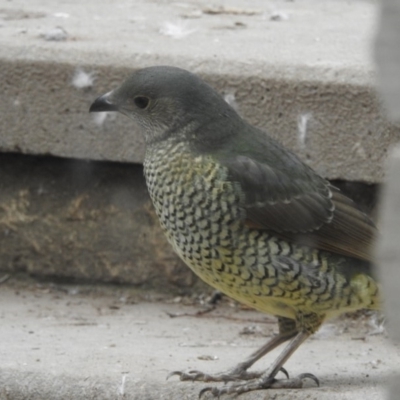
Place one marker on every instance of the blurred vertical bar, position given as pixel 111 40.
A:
pixel 388 254
pixel 387 55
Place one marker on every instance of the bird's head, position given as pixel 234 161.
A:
pixel 167 101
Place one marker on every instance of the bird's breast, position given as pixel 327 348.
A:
pixel 198 208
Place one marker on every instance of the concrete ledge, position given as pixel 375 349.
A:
pixel 87 221
pixel 303 73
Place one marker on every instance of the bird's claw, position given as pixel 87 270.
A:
pixel 205 390
pixel 172 373
pixel 309 376
pixel 284 371
pixel 192 375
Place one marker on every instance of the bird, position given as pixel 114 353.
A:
pixel 247 216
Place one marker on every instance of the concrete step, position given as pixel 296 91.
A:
pixel 302 71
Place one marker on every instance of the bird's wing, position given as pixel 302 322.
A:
pixel 281 194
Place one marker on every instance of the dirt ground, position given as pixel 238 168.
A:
pixel 105 342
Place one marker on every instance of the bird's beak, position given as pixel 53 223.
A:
pixel 104 103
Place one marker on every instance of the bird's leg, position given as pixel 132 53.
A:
pixel 267 380
pixel 287 330
pixel 307 324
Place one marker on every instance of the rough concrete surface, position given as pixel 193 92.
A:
pixel 81 342
pixel 83 220
pixel 303 71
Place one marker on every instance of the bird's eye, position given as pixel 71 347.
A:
pixel 141 102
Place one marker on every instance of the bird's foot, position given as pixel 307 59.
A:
pixel 264 382
pixel 236 374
